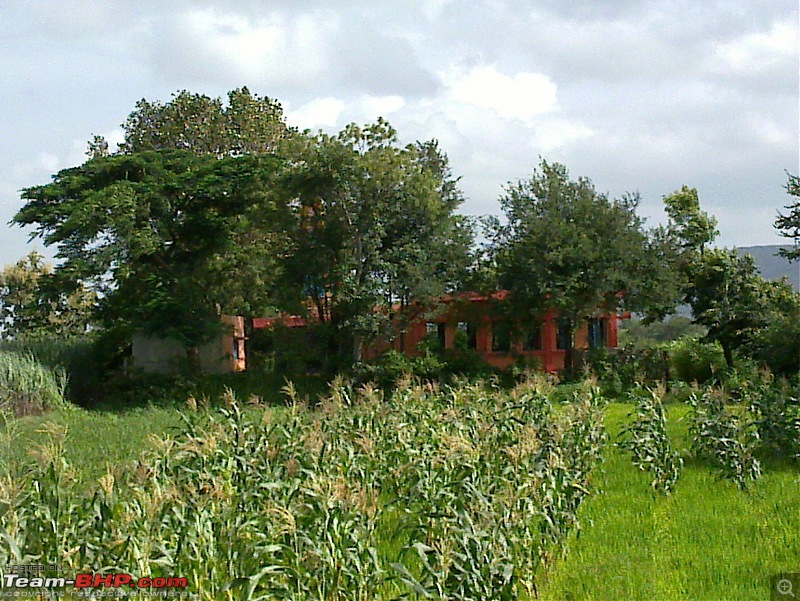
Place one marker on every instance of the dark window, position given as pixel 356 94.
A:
pixel 470 330
pixel 597 333
pixel 532 338
pixel 501 338
pixel 433 328
pixel 562 336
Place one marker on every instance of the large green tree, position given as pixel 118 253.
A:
pixel 569 248
pixel 144 231
pixel 374 228
pixel 730 298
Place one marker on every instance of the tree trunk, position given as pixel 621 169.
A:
pixel 726 350
pixel 356 348
pixel 193 360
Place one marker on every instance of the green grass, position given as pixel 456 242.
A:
pixel 708 540
pixel 92 440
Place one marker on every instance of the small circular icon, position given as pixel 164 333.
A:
pixel 785 587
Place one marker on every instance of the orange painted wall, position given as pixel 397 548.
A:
pixel 550 358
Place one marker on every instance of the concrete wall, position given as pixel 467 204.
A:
pixel 166 356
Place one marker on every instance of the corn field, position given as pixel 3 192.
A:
pixel 452 492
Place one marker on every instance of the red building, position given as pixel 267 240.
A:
pixel 500 341
pixel 471 320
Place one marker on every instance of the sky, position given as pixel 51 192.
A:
pixel 643 96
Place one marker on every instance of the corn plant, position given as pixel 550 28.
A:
pixel 647 441
pixel 457 492
pixel 776 417
pixel 725 440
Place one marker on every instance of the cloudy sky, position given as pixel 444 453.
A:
pixel 637 95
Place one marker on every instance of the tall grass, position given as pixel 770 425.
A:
pixel 28 387
pixel 71 356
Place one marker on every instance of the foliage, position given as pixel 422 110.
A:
pixel 693 360
pixel 461 493
pixel 569 248
pixel 372 229
pixel 77 357
pixel 248 124
pixel 32 305
pixel 789 224
pixel 647 441
pixel 144 230
pixel 725 440
pixel 775 411
pixel 733 301
pixel 618 370
pixel 642 334
pixel 28 387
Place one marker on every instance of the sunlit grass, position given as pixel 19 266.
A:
pixel 708 540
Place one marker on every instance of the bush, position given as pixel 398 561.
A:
pixel 693 360
pixel 28 387
pixel 619 370
pixel 776 417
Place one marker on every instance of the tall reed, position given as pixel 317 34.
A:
pixel 28 387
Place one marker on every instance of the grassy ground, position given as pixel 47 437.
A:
pixel 708 540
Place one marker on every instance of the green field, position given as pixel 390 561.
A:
pixel 707 540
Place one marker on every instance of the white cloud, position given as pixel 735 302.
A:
pixel 757 51
pixel 275 47
pixel 319 113
pixel 521 96
pixel 373 107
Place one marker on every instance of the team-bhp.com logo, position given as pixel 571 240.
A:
pixel 92 580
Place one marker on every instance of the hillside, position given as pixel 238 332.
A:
pixel 772 267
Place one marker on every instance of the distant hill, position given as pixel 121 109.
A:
pixel 772 267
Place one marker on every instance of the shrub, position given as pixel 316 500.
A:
pixel 618 370
pixel 28 387
pixel 693 360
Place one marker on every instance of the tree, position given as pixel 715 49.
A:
pixel 724 289
pixel 31 305
pixel 248 124
pixel 144 231
pixel 568 248
pixel 789 224
pixel 730 298
pixel 373 226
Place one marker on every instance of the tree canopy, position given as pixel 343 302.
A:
pixel 570 248
pixel 33 304
pixel 373 224
pixel 143 230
